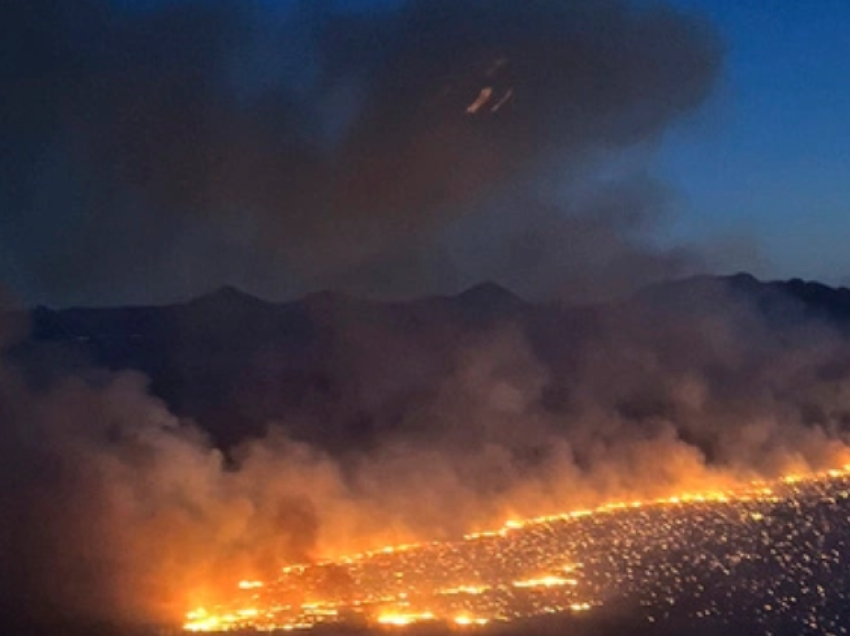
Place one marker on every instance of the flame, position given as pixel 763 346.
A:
pixel 545 581
pixel 401 620
pixel 250 585
pixel 468 620
pixel 403 608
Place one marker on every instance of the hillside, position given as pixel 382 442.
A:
pixel 342 370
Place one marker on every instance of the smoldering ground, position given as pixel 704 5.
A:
pixel 114 508
pixel 151 152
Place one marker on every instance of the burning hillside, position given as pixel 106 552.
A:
pixel 777 553
pixel 152 456
pixel 383 425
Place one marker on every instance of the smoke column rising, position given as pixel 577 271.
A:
pixel 286 147
pixel 398 151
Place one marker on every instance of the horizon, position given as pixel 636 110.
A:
pixel 228 289
pixel 370 315
pixel 154 201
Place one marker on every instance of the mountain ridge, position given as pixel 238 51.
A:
pixel 236 363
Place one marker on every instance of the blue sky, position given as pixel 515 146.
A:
pixel 768 158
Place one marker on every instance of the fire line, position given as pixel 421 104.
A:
pixel 569 563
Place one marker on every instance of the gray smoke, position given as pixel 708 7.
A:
pixel 284 147
pixel 152 152
pixel 112 507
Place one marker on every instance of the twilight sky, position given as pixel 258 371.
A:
pixel 770 157
pixel 153 150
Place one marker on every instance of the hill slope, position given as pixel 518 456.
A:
pixel 341 370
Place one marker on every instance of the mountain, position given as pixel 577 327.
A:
pixel 777 301
pixel 342 370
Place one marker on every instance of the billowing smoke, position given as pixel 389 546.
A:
pixel 113 507
pixel 151 153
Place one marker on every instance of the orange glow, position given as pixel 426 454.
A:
pixel 546 581
pixel 396 586
pixel 465 621
pixel 400 620
pixel 250 585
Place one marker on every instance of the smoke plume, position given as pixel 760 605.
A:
pixel 115 508
pixel 154 152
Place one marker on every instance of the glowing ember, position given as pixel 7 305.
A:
pixel 546 581
pixel 466 620
pixel 401 620
pixel 716 547
pixel 250 585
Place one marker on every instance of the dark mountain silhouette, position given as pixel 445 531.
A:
pixel 341 370
pixel 779 301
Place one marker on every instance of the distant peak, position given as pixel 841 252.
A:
pixel 743 280
pixel 490 293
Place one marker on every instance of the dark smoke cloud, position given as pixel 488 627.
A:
pixel 111 507
pixel 149 153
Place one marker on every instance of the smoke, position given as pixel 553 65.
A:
pixel 283 147
pixel 153 151
pixel 114 508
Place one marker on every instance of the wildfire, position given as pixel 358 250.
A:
pixel 250 585
pixel 564 563
pixel 400 620
pixel 546 581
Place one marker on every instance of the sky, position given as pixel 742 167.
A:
pixel 156 150
pixel 768 159
pixel 151 151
